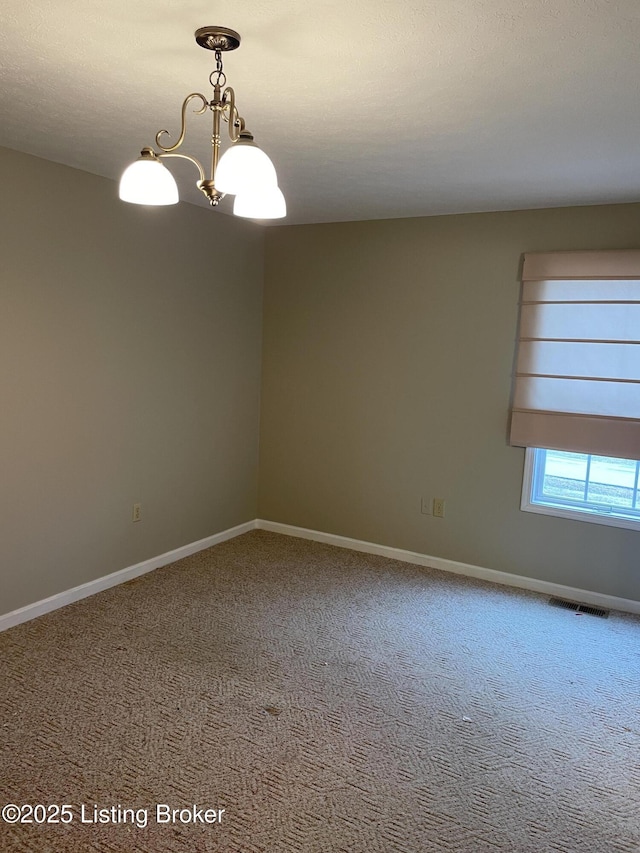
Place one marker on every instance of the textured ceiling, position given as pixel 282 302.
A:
pixel 369 110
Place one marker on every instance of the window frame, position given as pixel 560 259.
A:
pixel 592 516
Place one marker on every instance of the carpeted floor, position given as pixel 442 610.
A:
pixel 328 701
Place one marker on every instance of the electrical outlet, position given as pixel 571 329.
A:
pixel 438 507
pixel 425 506
pixel 137 512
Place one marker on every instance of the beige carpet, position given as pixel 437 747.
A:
pixel 328 701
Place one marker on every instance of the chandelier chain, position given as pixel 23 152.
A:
pixel 218 77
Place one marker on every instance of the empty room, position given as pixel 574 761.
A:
pixel 320 427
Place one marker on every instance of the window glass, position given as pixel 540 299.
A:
pixel 581 485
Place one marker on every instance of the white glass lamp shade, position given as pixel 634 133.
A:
pixel 266 203
pixel 147 181
pixel 244 167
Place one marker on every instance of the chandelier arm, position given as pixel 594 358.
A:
pixel 187 101
pixel 231 114
pixel 184 157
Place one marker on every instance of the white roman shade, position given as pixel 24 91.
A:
pixel 577 384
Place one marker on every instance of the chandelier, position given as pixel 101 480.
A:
pixel 243 170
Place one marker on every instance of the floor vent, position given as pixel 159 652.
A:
pixel 594 611
pixel 579 608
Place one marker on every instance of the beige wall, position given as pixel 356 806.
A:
pixel 129 372
pixel 387 362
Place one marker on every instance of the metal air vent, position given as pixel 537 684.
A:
pixel 579 608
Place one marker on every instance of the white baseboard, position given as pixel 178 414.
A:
pixel 598 599
pixel 46 605
pixel 38 608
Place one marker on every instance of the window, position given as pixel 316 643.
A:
pixel 584 486
pixel 576 397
